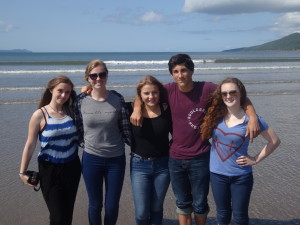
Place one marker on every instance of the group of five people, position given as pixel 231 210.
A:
pixel 169 134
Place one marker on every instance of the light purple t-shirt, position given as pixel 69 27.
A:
pixel 188 110
pixel 228 144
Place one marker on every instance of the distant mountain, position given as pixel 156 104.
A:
pixel 287 43
pixel 16 51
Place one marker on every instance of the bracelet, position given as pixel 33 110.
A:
pixel 254 162
pixel 22 174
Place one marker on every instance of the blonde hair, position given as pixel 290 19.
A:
pixel 93 64
pixel 150 80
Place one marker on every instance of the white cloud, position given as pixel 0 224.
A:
pixel 5 27
pixel 287 23
pixel 151 17
pixel 241 6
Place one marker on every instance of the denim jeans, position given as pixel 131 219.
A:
pixel 232 196
pixel 150 180
pixel 190 184
pixel 95 170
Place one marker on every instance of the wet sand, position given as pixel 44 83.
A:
pixel 275 197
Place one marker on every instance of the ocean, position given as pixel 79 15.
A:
pixel 272 80
pixel 24 75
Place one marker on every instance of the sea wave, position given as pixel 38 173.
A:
pixel 21 88
pixel 119 86
pixel 20 102
pixel 250 68
pixel 153 62
pixel 109 62
pixel 148 62
pixel 131 98
pixel 46 71
pixel 74 71
pixel 3 89
pixel 257 60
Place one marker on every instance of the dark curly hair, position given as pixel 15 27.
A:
pixel 218 109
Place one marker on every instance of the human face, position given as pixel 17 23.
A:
pixel 61 93
pixel 183 77
pixel 98 82
pixel 231 95
pixel 150 95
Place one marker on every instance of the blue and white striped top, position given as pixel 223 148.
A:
pixel 59 140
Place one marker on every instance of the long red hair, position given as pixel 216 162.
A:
pixel 218 109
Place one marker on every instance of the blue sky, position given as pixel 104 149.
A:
pixel 144 25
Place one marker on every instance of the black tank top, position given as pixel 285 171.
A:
pixel 152 139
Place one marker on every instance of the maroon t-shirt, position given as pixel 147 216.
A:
pixel 188 110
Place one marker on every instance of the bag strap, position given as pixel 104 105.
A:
pixel 42 109
pixel 37 188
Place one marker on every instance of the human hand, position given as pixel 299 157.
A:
pixel 136 118
pixel 246 160
pixel 253 128
pixel 86 89
pixel 25 178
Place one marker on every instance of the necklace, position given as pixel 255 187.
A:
pixel 60 111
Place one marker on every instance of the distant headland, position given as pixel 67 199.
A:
pixel 16 51
pixel 287 43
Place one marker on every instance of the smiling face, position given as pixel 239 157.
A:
pixel 99 82
pixel 231 95
pixel 183 77
pixel 61 93
pixel 150 95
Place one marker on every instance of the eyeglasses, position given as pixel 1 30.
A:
pixel 230 93
pixel 101 75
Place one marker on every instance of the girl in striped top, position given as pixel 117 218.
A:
pixel 59 164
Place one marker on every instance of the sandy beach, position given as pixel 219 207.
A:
pixel 275 197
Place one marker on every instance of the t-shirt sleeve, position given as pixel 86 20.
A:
pixel 213 87
pixel 262 124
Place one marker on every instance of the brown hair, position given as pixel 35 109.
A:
pixel 93 64
pixel 151 81
pixel 218 109
pixel 181 59
pixel 47 95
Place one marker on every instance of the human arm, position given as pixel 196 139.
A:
pixel 35 124
pixel 87 89
pixel 273 143
pixel 124 123
pixel 79 120
pixel 136 117
pixel 253 126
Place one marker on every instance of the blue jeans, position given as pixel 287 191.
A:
pixel 150 180
pixel 95 169
pixel 190 183
pixel 232 196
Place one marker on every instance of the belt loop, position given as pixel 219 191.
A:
pixel 141 157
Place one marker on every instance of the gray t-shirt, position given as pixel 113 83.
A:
pixel 102 136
